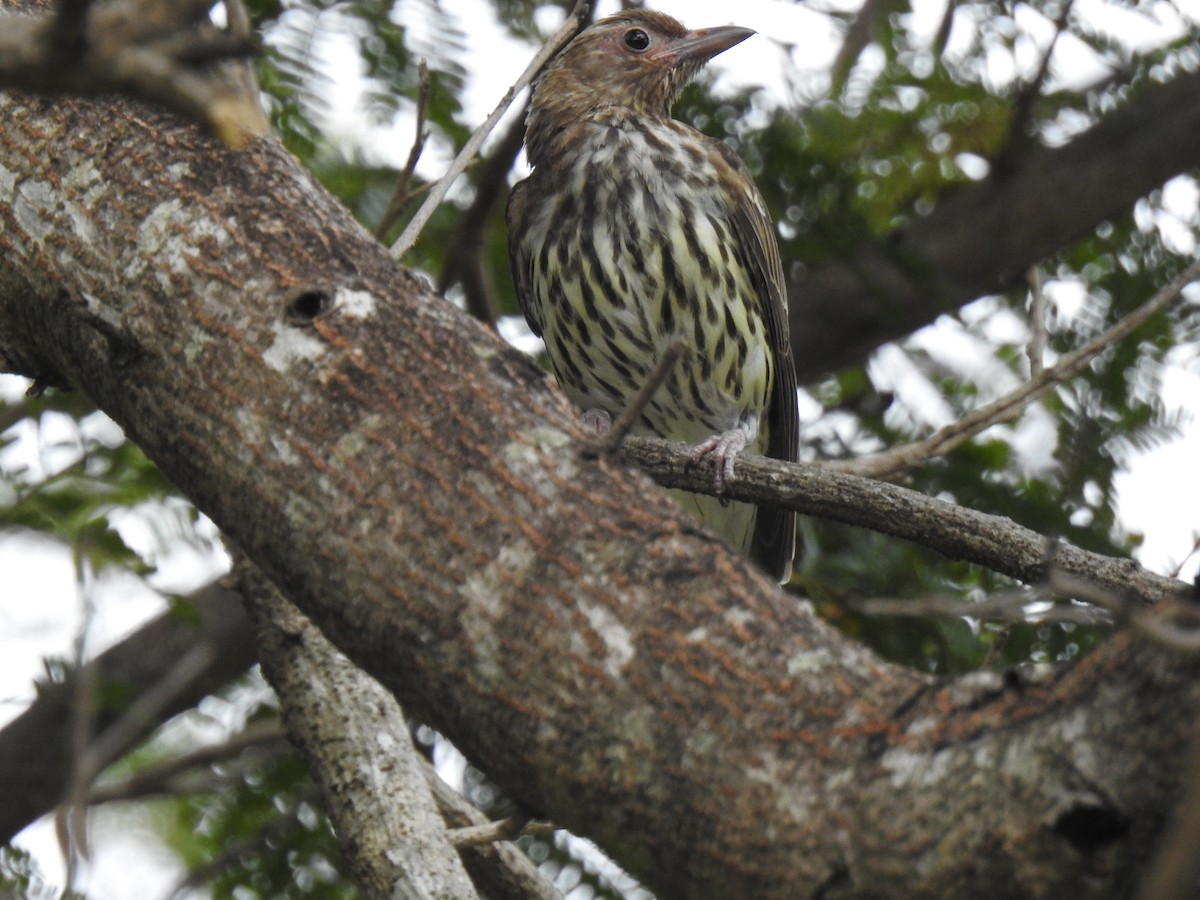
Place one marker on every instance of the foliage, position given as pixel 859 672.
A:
pixel 896 127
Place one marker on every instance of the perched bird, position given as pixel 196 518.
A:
pixel 634 228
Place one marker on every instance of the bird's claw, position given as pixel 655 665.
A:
pixel 597 421
pixel 724 449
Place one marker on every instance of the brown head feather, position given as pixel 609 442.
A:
pixel 639 60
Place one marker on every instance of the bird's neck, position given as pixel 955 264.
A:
pixel 562 105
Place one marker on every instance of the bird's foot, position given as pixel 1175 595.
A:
pixel 597 421
pixel 724 449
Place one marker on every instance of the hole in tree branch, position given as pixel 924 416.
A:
pixel 1089 827
pixel 309 304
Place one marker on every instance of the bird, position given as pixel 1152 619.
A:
pixel 632 230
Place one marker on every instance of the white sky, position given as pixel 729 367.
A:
pixel 1159 495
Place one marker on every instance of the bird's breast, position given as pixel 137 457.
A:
pixel 630 243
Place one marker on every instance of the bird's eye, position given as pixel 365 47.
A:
pixel 637 40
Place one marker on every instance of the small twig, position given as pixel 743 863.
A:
pixel 1178 573
pixel 1150 624
pixel 637 404
pixel 157 778
pixel 117 737
pixel 1006 160
pixel 466 259
pixel 1036 350
pixel 889 462
pixel 503 830
pixel 1010 607
pixel 402 196
pixel 412 231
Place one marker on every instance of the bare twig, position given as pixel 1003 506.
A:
pixel 1181 635
pixel 633 410
pixel 112 743
pixel 503 868
pixel 1007 159
pixel 402 196
pixel 503 830
pixel 1178 573
pixel 889 462
pixel 158 778
pixel 465 261
pixel 1036 350
pixel 412 231
pixel 1004 606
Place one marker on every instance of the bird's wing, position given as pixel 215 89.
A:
pixel 775 529
pixel 518 256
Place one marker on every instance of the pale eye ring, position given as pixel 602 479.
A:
pixel 637 40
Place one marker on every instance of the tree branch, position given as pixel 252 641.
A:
pixel 907 456
pixel 956 532
pixel 418 490
pixel 154 49
pixel 35 763
pixel 575 20
pixel 360 753
pixel 984 237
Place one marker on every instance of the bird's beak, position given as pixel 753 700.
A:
pixel 701 46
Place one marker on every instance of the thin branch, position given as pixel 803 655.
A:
pixel 889 462
pixel 558 40
pixel 500 868
pixel 465 262
pixel 1008 158
pixel 147 708
pixel 1036 351
pixel 402 196
pixel 1004 606
pixel 957 532
pixel 158 778
pixel 502 830
pixel 633 410
pixel 1181 635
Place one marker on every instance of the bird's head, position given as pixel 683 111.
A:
pixel 637 60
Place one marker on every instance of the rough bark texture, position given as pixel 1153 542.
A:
pixel 361 754
pixel 416 488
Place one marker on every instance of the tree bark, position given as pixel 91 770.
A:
pixel 417 489
pixel 360 752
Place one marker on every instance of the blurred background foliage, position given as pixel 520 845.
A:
pixel 900 119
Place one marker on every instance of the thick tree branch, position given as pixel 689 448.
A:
pixel 418 491
pixel 985 237
pixel 360 753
